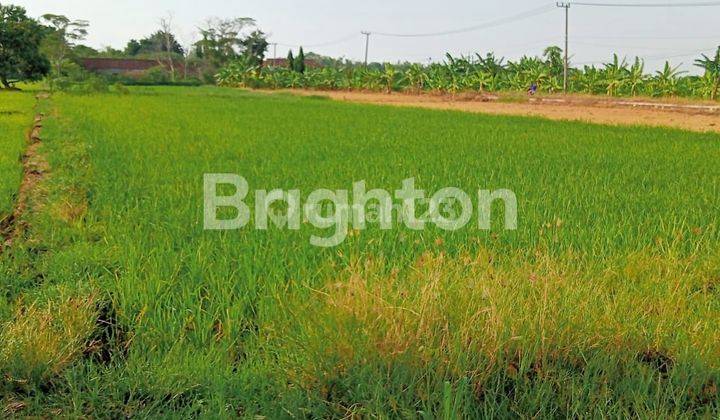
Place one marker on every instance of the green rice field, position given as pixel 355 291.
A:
pixel 117 303
pixel 16 116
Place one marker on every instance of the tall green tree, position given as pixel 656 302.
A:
pixel 300 61
pixel 20 41
pixel 222 39
pixel 291 61
pixel 157 43
pixel 555 60
pixel 59 43
pixel 254 47
pixel 133 47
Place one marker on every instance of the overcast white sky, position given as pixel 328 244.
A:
pixel 653 33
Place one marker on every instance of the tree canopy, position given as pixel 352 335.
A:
pixel 20 40
pixel 154 44
pixel 61 38
pixel 223 41
pixel 254 47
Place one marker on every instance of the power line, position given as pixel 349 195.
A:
pixel 567 4
pixel 491 24
pixel 513 50
pixel 498 22
pixel 520 16
pixel 663 5
pixel 648 37
pixel 680 54
pixel 624 46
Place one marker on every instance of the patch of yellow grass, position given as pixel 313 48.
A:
pixel 42 339
pixel 472 315
pixel 70 209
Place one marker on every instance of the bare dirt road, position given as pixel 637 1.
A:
pixel 694 116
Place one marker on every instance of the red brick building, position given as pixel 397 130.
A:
pixel 117 65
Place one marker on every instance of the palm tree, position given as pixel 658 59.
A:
pixel 712 70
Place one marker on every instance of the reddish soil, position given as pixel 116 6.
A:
pixel 682 114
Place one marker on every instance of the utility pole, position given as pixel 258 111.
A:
pixel 367 45
pixel 566 6
pixel 274 44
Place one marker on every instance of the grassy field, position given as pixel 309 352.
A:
pixel 606 300
pixel 15 119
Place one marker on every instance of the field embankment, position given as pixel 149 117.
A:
pixel 16 114
pixel 684 114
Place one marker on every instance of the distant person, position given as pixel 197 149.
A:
pixel 533 89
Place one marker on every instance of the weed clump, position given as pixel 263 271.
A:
pixel 44 338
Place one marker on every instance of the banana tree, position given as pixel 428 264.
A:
pixel 712 71
pixel 487 73
pixel 481 80
pixel 356 79
pixel 554 84
pixel 415 78
pixel 636 76
pixel 589 80
pixel 665 82
pixel 328 78
pixel 388 78
pixel 438 78
pixel 490 64
pixel 372 80
pixel 238 73
pixel 539 74
pixel 614 75
pixel 516 81
pixel 704 86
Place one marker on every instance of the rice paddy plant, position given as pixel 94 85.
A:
pixel 604 301
pixel 15 118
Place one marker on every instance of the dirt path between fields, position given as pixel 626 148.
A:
pixel 35 167
pixel 694 116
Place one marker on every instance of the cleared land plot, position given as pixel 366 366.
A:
pixel 606 300
pixel 597 110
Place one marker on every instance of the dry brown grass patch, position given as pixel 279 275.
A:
pixel 475 314
pixel 42 339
